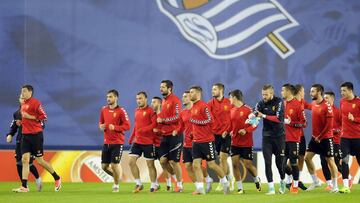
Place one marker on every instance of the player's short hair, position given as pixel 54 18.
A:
pixel 186 91
pixel 319 88
pixel 348 85
pixel 237 94
pixel 298 88
pixel 142 93
pixel 268 87
pixel 29 88
pixel 168 83
pixel 197 88
pixel 114 92
pixel 157 98
pixel 290 88
pixel 220 86
pixel 330 93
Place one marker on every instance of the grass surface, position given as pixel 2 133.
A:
pixel 101 192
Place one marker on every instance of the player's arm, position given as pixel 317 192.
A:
pixel 328 122
pixel 279 116
pixel 307 105
pixel 132 136
pixel 173 118
pixel 102 121
pixel 204 121
pixel 301 122
pixel 124 124
pixel 13 129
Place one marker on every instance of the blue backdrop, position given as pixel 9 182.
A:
pixel 72 52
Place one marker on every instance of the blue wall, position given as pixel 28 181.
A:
pixel 74 51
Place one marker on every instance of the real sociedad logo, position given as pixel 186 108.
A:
pixel 226 29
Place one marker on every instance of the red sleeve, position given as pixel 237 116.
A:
pixel 302 120
pixel 124 124
pixel 181 126
pixel 101 121
pixel 132 136
pixel 149 128
pixel 273 119
pixel 41 115
pixel 175 116
pixel 357 119
pixel 307 105
pixel 250 129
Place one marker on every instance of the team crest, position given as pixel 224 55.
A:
pixel 114 115
pixel 144 113
pixel 273 108
pixel 241 113
pixel 291 111
pixel 168 106
pixel 353 106
pixel 226 29
pixel 226 107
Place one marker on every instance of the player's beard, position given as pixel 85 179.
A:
pixel 165 93
pixel 314 98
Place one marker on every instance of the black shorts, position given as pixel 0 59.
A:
pixel 350 146
pixel 111 153
pixel 187 155
pixel 324 148
pixel 337 152
pixel 157 153
pixel 204 150
pixel 292 150
pixel 273 145
pixel 171 147
pixel 18 154
pixel 139 149
pixel 33 143
pixel 243 152
pixel 222 144
pixel 302 147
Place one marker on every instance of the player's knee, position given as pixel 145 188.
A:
pixel 345 160
pixel 172 163
pixel 104 166
pixel 132 162
pixel 163 161
pixel 25 160
pixel 188 166
pixel 248 163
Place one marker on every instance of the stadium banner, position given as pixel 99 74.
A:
pixel 85 166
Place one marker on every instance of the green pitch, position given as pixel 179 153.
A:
pixel 101 192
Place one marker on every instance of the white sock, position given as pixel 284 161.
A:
pixel 329 183
pixel 229 177
pixel 138 182
pixel 156 182
pixel 199 186
pixel 223 180
pixel 296 183
pixel 168 182
pixel 314 178
pixel 271 185
pixel 288 179
pixel 174 176
pixel 153 185
pixel 346 183
pixel 300 174
pixel 335 183
pixel 116 186
pixel 208 179
pixel 179 184
pixel 256 179
pixel 239 184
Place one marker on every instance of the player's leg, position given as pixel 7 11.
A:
pixel 313 148
pixel 174 160
pixel 149 155
pixel 116 154
pixel 106 159
pixel 134 154
pixel 267 154
pixel 328 152
pixel 326 172
pixel 235 159
pixel 198 176
pixel 35 172
pixel 209 152
pixel 345 149
pixel 25 168
pixel 302 150
pixel 293 157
